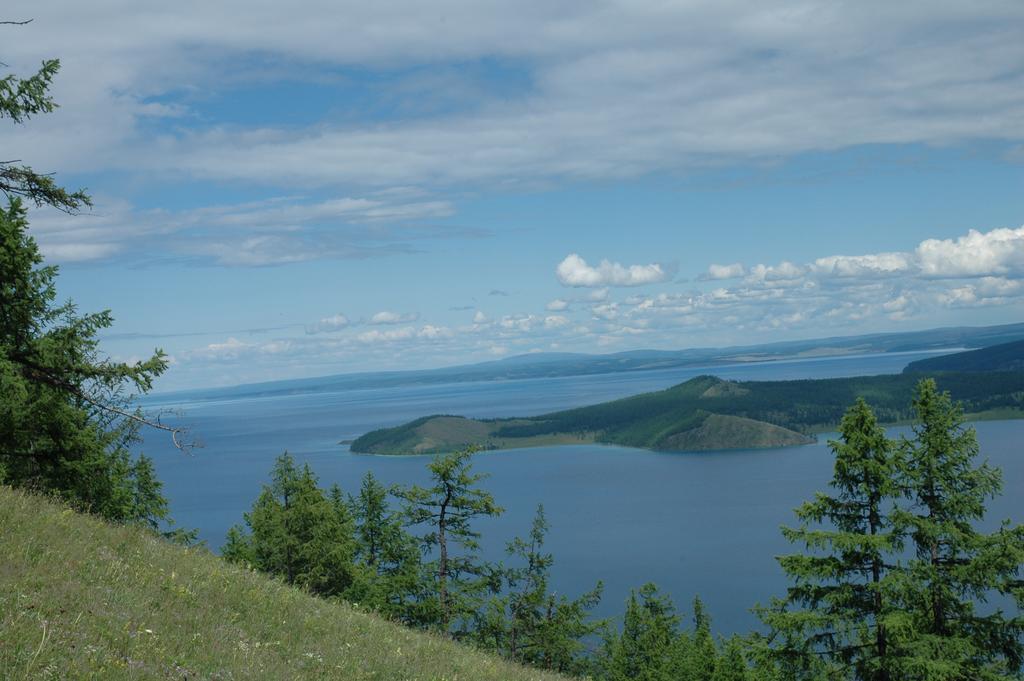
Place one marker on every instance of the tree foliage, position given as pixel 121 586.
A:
pixel 530 623
pixel 66 420
pixel 298 532
pixel 447 510
pixel 954 568
pixel 397 585
pixel 66 417
pixel 20 100
pixel 895 576
pixel 839 603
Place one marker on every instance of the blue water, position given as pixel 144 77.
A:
pixel 693 523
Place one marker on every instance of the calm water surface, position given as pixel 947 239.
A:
pixel 693 523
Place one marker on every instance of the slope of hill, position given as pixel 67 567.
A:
pixel 80 598
pixel 1002 357
pixel 704 413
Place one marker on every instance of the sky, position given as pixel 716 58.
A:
pixel 288 190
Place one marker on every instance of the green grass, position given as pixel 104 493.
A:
pixel 83 599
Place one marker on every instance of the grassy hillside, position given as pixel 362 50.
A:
pixel 705 413
pixel 1002 357
pixel 83 599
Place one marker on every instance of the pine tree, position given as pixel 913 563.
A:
pixel 703 653
pixel 448 508
pixel 732 662
pixel 20 100
pixel 643 651
pixel 66 421
pixel 948 633
pixel 835 613
pixel 395 586
pixel 66 415
pixel 530 624
pixel 298 533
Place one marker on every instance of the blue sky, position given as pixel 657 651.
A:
pixel 286 191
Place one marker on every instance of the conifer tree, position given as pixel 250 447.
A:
pixel 529 623
pixel 20 100
pixel 835 614
pixel 949 632
pixel 643 651
pixel 298 533
pixel 702 652
pixel 66 414
pixel 731 664
pixel 66 421
pixel 447 509
pixel 395 586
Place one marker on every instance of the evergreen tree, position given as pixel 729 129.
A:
pixel 835 613
pixel 66 421
pixel 644 650
pixel 954 569
pixel 395 586
pixel 298 533
pixel 530 624
pixel 66 417
pixel 20 100
pixel 732 663
pixel 448 508
pixel 703 654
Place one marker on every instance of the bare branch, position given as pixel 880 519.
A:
pixel 16 23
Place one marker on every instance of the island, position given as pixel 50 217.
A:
pixel 710 413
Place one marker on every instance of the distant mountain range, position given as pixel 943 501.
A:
pixel 541 365
pixel 709 413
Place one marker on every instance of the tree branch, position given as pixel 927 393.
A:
pixel 55 381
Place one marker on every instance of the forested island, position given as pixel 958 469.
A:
pixel 709 413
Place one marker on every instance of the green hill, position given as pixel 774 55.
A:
pixel 704 413
pixel 1002 357
pixel 80 598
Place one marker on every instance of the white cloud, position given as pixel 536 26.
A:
pixel 995 253
pixel 388 317
pixel 783 274
pixel 732 271
pixel 574 271
pixel 432 332
pixel 273 231
pixel 329 324
pixel 230 349
pixel 557 305
pixel 877 265
pixel 675 84
pixel 555 321
pixel 388 335
pixel 607 311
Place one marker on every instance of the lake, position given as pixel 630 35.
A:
pixel 704 523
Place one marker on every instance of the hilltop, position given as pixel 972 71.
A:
pixel 81 598
pixel 702 414
pixel 1002 357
